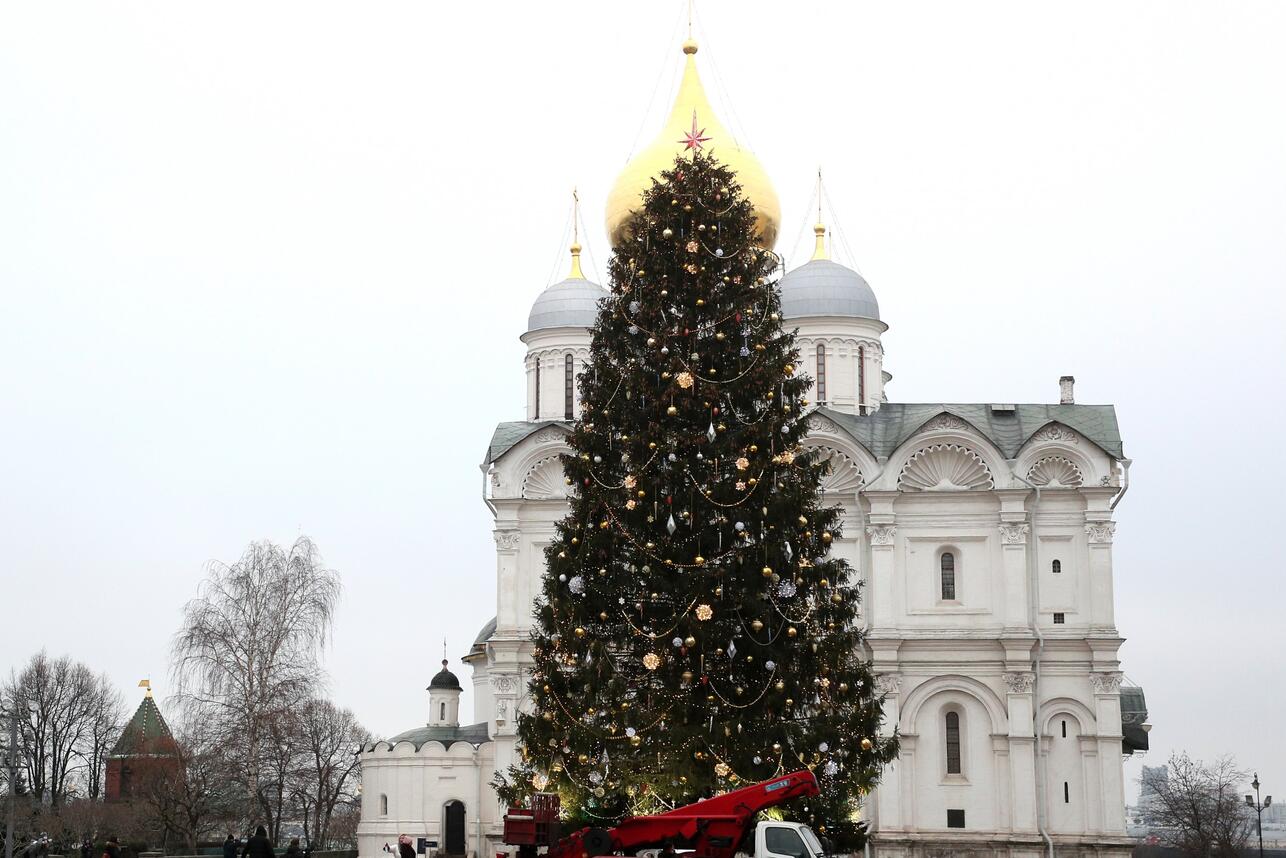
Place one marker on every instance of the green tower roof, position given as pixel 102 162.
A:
pixel 146 733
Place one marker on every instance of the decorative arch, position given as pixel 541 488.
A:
pixel 945 467
pixel 825 435
pixel 1055 472
pixel 926 691
pixel 845 476
pixel 545 480
pixel 1067 706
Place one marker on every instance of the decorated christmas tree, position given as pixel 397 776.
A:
pixel 694 633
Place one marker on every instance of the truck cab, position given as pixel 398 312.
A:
pixel 773 839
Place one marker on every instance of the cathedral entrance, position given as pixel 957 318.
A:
pixel 453 831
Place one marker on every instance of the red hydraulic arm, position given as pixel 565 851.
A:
pixel 713 828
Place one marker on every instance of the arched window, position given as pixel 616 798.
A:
pixel 536 414
pixel 948 564
pixel 569 385
pixel 1057 566
pixel 821 374
pixel 861 380
pixel 953 742
pixel 383 805
pixel 442 712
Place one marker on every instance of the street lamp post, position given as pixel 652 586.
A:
pixel 1253 802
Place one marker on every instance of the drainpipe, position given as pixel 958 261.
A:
pixel 478 753
pixel 1125 485
pixel 1033 577
pixel 486 472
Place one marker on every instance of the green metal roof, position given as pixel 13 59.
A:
pixel 474 734
pixel 1009 427
pixel 508 434
pixel 146 733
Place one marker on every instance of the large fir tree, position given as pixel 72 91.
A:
pixel 694 632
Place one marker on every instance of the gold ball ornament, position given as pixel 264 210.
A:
pixel 667 233
pixel 689 641
pixel 757 625
pixel 579 632
pixel 767 571
pixel 867 744
pixel 672 411
pixel 791 632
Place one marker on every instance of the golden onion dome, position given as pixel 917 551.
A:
pixel 692 124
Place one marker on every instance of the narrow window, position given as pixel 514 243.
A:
pixel 569 384
pixel 1057 566
pixel 1060 619
pixel 1064 728
pixel 442 712
pixel 948 576
pixel 953 743
pixel 1067 793
pixel 821 375
pixel 861 380
pixel 383 805
pixel 536 416
pixel 955 818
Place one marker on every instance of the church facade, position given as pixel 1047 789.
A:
pixel 982 533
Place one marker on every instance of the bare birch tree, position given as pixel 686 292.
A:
pixel 1198 808
pixel 251 642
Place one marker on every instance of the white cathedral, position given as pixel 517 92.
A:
pixel 982 533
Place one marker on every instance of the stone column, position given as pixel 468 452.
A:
pixel 1022 749
pixel 509 595
pixel 1013 542
pixel 1107 713
pixel 1098 534
pixel 888 796
pixel 882 537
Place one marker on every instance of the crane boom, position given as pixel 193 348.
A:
pixel 712 828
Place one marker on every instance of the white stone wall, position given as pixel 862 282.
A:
pixel 405 791
pixel 853 349
pixel 547 350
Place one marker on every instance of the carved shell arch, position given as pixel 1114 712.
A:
pixel 945 468
pixel 1055 472
pixel 545 480
pixel 845 475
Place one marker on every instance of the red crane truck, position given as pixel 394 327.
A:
pixel 718 827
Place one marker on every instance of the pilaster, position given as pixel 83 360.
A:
pixel 889 799
pixel 1107 713
pixel 1099 531
pixel 881 535
pixel 1022 749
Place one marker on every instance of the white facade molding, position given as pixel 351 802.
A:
pixel 1100 532
pixel 1107 682
pixel 1055 472
pixel 1020 682
pixel 881 534
pixel 945 467
pixel 1014 534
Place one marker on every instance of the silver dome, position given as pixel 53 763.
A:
pixel 825 288
pixel 571 303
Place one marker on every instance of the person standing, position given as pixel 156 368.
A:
pixel 230 847
pixel 259 846
pixel 112 849
pixel 404 847
pixel 293 850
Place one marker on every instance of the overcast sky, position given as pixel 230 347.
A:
pixel 264 268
